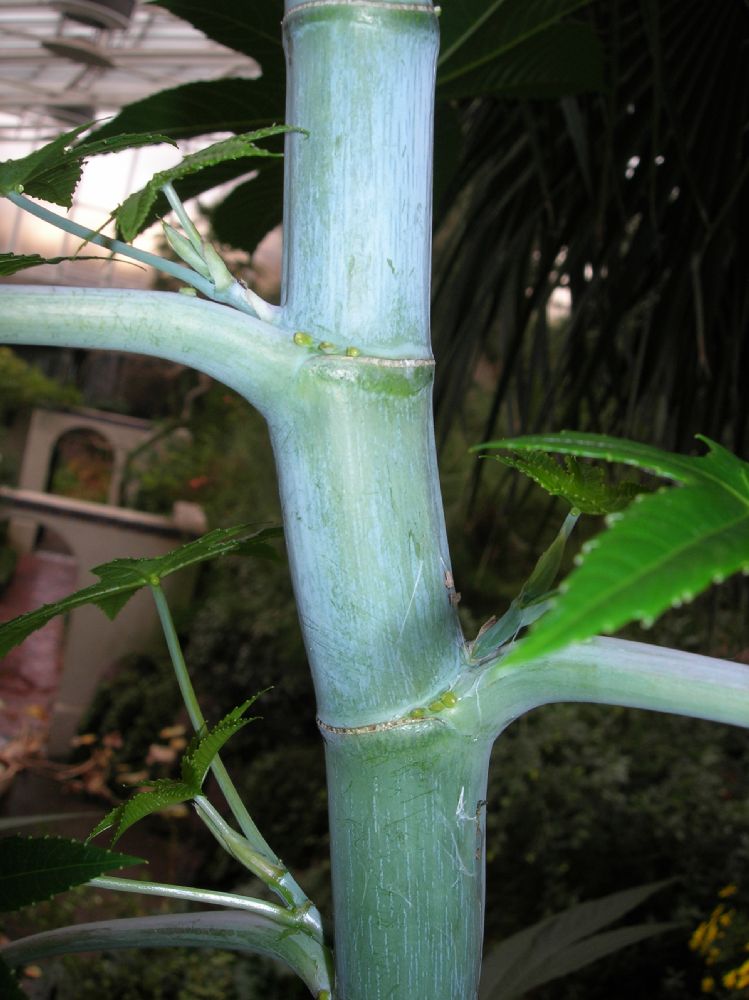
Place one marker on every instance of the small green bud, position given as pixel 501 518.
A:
pixel 220 274
pixel 417 713
pixel 352 352
pixel 325 345
pixel 187 290
pixel 436 706
pixel 449 699
pixel 303 339
pixel 154 580
pixel 185 250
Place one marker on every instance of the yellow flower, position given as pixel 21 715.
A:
pixel 696 939
pixel 728 890
pixel 729 980
pixel 708 984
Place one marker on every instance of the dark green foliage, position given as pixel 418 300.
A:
pixel 566 942
pixel 23 385
pixel 516 48
pixel 585 799
pixel 631 201
pixel 521 49
pixel 33 869
pixel 663 550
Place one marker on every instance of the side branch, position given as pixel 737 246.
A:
pixel 254 357
pixel 230 931
pixel 609 672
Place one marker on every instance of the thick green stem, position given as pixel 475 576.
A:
pixel 357 212
pixel 253 933
pixel 366 538
pixel 245 353
pixel 605 672
pixel 407 809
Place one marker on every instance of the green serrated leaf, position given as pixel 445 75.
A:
pixel 28 173
pixel 662 551
pixel 120 579
pixel 12 263
pixel 53 172
pixel 199 755
pixel 9 988
pixel 136 208
pixel 162 793
pixel 582 486
pixel 33 869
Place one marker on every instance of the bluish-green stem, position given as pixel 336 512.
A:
pixel 231 930
pixel 272 871
pixel 357 202
pixel 234 294
pixel 364 524
pixel 192 894
pixel 604 671
pixel 185 274
pixel 248 354
pixel 407 824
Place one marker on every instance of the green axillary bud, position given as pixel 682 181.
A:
pixel 352 352
pixel 325 345
pixel 185 250
pixel 254 860
pixel 220 274
pixel 417 713
pixel 269 871
pixel 187 290
pixel 303 339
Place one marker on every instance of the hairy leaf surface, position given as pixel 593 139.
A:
pixel 199 755
pixel 662 551
pixel 163 792
pixel 582 486
pixel 33 869
pixel 120 579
